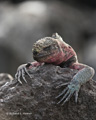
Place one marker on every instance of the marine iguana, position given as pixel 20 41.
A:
pixel 53 50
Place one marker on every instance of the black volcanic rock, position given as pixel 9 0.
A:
pixel 36 99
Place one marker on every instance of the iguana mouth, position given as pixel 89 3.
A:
pixel 41 56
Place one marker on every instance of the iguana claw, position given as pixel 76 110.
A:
pixel 68 92
pixel 21 73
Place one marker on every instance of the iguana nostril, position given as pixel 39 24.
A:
pixel 35 52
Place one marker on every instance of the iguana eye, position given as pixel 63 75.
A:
pixel 47 48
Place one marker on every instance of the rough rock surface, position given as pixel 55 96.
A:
pixel 4 78
pixel 36 99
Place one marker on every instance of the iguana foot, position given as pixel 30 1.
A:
pixel 72 88
pixel 21 71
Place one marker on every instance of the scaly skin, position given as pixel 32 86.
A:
pixel 55 51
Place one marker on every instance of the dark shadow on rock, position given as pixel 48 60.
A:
pixel 36 99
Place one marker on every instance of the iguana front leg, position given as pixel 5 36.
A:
pixel 22 69
pixel 84 74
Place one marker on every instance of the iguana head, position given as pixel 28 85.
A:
pixel 49 49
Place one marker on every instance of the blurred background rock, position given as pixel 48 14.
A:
pixel 22 22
